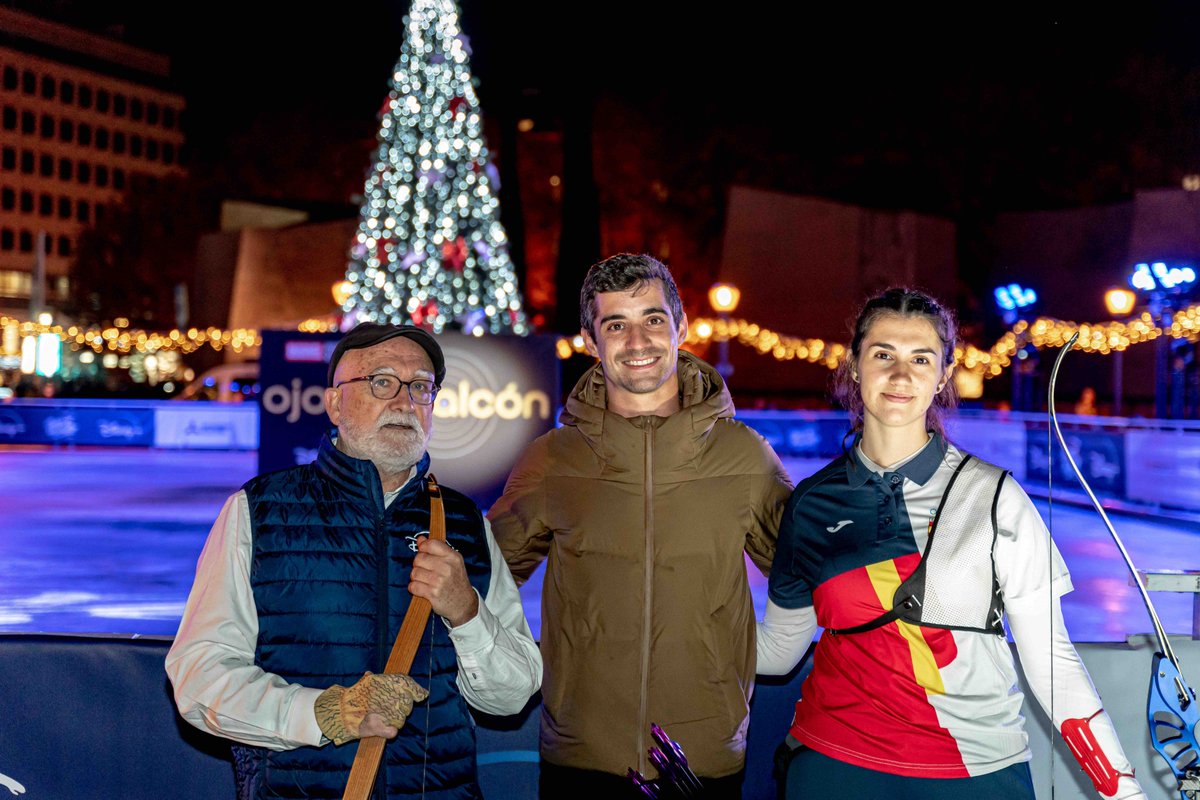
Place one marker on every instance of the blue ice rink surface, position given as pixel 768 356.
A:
pixel 106 540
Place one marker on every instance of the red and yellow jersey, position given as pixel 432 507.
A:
pixel 900 698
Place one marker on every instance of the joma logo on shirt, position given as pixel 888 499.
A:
pixel 841 524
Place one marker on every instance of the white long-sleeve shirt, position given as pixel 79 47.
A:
pixel 219 688
pixel 967 678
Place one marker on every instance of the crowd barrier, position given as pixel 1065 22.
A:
pixel 191 425
pixel 92 717
pixel 1138 462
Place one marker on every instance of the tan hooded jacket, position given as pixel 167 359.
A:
pixel 646 609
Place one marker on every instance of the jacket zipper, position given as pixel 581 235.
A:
pixel 648 612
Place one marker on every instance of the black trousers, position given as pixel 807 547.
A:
pixel 569 783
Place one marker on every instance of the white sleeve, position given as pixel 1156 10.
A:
pixel 499 663
pixel 783 636
pixel 218 687
pixel 1049 660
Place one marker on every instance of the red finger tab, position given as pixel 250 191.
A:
pixel 1079 737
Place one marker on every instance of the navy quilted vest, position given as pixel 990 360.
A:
pixel 329 563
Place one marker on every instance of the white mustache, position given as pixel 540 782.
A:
pixel 402 418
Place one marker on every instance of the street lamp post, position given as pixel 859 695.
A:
pixel 1013 299
pixel 1120 303
pixel 1165 287
pixel 724 298
pixel 341 292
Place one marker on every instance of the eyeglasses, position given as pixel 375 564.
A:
pixel 387 387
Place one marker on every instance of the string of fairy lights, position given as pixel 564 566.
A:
pixel 122 339
pixel 1042 333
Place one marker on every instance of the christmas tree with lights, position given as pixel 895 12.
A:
pixel 430 249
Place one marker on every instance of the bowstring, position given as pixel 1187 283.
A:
pixel 1050 567
pixel 428 703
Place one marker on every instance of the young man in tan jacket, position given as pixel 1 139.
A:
pixel 644 502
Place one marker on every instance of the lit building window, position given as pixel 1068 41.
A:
pixel 12 282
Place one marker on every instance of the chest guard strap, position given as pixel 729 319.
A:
pixel 955 585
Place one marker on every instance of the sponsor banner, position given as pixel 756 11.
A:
pixel 1000 442
pixel 206 426
pixel 291 398
pixel 1168 468
pixel 499 394
pixel 799 434
pixel 1099 454
pixel 33 422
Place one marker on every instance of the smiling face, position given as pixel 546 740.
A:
pixel 392 434
pixel 899 371
pixel 637 343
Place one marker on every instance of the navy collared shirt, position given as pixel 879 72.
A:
pixel 849 515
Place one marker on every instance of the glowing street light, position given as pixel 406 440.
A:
pixel 1120 303
pixel 341 292
pixel 1153 276
pixel 724 298
pixel 1013 296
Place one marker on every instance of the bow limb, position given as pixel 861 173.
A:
pixel 1171 707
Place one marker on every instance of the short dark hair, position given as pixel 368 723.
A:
pixel 899 302
pixel 619 273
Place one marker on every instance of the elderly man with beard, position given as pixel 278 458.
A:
pixel 645 504
pixel 306 577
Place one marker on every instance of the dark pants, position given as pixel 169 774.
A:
pixel 813 775
pixel 568 783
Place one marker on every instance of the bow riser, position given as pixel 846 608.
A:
pixel 1174 725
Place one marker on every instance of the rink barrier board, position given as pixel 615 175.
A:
pixel 93 717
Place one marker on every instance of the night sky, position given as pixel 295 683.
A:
pixel 959 114
pixel 948 113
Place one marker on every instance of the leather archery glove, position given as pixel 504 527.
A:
pixel 341 710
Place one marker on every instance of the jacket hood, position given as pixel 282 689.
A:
pixel 704 399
